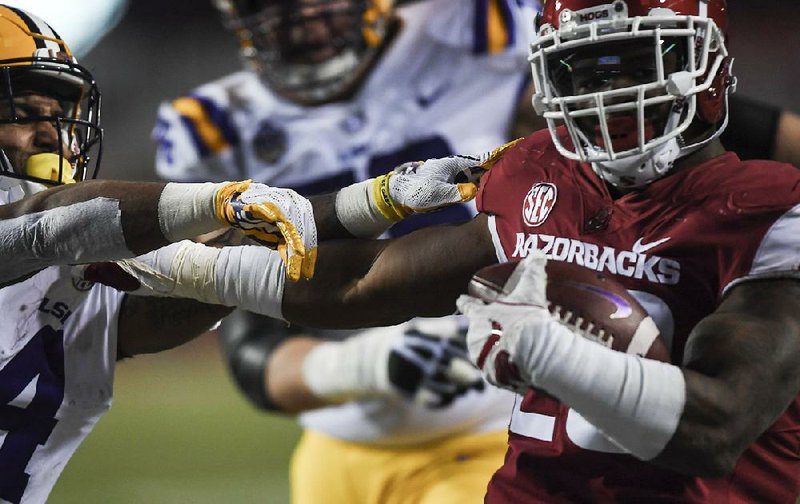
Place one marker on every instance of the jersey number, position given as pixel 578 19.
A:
pixel 543 415
pixel 31 391
pixel 543 426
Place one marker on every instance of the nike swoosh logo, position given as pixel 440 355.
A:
pixel 641 248
pixel 428 99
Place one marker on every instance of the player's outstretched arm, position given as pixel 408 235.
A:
pixel 359 283
pixel 369 283
pixel 104 220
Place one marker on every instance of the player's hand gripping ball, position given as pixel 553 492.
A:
pixel 515 308
pixel 275 217
pixel 588 302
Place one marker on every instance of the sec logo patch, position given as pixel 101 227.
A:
pixel 538 203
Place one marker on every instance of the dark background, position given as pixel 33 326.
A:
pixel 163 48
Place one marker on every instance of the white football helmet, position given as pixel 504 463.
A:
pixel 636 84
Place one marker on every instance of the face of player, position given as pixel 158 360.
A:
pixel 307 32
pixel 613 66
pixel 28 136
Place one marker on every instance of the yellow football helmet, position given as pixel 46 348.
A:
pixel 309 51
pixel 35 61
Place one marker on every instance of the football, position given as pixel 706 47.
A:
pixel 595 305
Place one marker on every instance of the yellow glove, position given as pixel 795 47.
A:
pixel 278 218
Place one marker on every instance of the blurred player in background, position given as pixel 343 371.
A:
pixel 61 335
pixel 631 180
pixel 333 96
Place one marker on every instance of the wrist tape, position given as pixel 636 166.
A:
pixel 357 212
pixel 188 210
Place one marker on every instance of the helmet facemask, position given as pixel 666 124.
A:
pixel 627 88
pixel 75 118
pixel 310 51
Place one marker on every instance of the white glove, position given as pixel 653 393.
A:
pixel 502 334
pixel 394 362
pixel 426 186
pixel 276 217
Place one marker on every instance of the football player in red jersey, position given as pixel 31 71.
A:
pixel 639 187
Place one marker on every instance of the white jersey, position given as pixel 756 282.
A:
pixel 449 83
pixel 57 353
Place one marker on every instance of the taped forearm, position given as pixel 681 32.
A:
pixel 636 402
pixel 79 233
pixel 250 277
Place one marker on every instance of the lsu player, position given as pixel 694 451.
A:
pixel 337 93
pixel 638 186
pixel 60 335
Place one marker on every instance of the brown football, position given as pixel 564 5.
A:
pixel 599 307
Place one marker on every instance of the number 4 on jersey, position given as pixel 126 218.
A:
pixel 31 391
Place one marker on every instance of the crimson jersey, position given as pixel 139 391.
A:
pixel 677 246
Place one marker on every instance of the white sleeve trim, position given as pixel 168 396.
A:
pixel 498 247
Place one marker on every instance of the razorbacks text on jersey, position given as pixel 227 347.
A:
pixel 449 83
pixel 57 354
pixel 677 245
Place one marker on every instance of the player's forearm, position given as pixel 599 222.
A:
pixel 284 381
pixel 150 325
pixel 746 378
pixel 101 220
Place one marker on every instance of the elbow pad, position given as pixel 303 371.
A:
pixel 247 340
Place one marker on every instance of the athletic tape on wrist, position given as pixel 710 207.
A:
pixel 79 233
pixel 183 269
pixel 355 368
pixel 252 278
pixel 636 402
pixel 382 198
pixel 358 214
pixel 187 210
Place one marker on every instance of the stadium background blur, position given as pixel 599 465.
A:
pixel 178 431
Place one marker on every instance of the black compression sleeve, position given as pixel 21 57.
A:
pixel 752 127
pixel 247 341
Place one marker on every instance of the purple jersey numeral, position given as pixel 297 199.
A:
pixel 30 425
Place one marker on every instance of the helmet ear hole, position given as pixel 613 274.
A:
pixel 711 103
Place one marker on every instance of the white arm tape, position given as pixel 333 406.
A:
pixel 636 402
pixel 355 368
pixel 187 210
pixel 79 233
pixel 358 213
pixel 250 277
